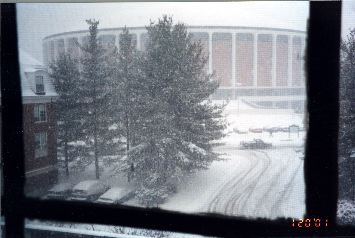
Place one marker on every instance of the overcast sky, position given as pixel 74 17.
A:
pixel 35 21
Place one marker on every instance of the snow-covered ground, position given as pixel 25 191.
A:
pixel 254 183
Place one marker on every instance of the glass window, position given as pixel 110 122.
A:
pixel 41 144
pixel 244 59
pixel 39 84
pixel 297 61
pixel 346 140
pixel 222 58
pixel 40 113
pixel 282 60
pixel 166 126
pixel 264 60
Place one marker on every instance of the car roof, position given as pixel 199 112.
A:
pixel 85 185
pixel 115 193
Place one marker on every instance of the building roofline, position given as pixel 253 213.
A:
pixel 191 27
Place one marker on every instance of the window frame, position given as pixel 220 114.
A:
pixel 43 145
pixel 320 161
pixel 37 111
pixel 41 84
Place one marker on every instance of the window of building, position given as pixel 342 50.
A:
pixel 40 113
pixel 41 148
pixel 39 84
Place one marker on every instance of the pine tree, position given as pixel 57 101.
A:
pixel 347 93
pixel 66 76
pixel 180 123
pixel 126 91
pixel 95 93
pixel 347 116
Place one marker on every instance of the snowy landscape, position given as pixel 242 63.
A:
pixel 253 183
pixel 164 113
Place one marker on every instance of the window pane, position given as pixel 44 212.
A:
pixel 222 57
pixel 264 60
pixel 282 55
pixel 245 59
pixel 346 145
pixel 197 128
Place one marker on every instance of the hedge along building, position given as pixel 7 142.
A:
pixel 263 67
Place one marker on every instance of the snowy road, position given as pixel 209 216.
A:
pixel 258 183
pixel 259 191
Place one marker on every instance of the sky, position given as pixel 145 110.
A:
pixel 38 20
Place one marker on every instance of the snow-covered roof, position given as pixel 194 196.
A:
pixel 85 185
pixel 115 193
pixel 29 67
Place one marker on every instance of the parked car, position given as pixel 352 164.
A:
pixel 89 190
pixel 60 191
pixel 239 131
pixel 116 195
pixel 256 130
pixel 272 129
pixel 255 144
pixel 285 129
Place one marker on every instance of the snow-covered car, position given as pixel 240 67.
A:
pixel 116 195
pixel 256 130
pixel 59 192
pixel 89 190
pixel 272 129
pixel 239 131
pixel 255 144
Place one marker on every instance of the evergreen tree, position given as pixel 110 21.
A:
pixel 347 116
pixel 95 93
pixel 66 76
pixel 180 123
pixel 126 91
pixel 347 94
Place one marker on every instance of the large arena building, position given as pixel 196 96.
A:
pixel 264 67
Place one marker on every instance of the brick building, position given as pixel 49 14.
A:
pixel 39 124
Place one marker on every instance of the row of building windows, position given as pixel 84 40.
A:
pixel 262 62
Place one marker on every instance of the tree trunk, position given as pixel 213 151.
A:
pixel 66 150
pixel 97 172
pixel 66 157
pixel 127 144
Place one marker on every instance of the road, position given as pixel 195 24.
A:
pixel 268 187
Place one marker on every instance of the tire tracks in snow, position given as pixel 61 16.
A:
pixel 239 200
pixel 286 192
pixel 229 187
pixel 271 186
pixel 239 186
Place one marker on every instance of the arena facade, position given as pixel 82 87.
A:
pixel 264 67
